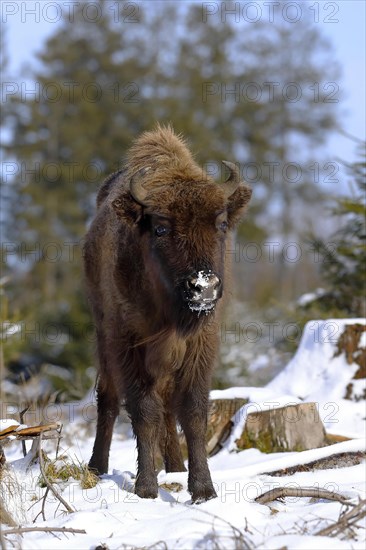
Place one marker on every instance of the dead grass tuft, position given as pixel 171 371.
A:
pixel 63 469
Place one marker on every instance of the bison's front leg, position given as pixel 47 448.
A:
pixel 146 413
pixel 193 419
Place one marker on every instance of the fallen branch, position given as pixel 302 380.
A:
pixel 20 530
pixel 346 520
pixel 13 433
pixel 282 492
pixel 48 484
pixel 328 462
pixel 27 438
pixel 37 430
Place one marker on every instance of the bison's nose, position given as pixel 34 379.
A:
pixel 203 287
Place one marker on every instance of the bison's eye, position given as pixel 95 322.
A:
pixel 161 230
pixel 223 226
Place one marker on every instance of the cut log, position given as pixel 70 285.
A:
pixel 290 428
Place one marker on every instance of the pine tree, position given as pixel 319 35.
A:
pixel 342 258
pixel 62 140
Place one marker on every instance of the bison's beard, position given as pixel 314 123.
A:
pixel 204 307
pixel 190 316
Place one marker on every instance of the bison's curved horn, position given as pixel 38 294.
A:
pixel 231 184
pixel 137 190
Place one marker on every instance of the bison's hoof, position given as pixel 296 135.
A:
pixel 202 494
pixel 97 469
pixel 145 489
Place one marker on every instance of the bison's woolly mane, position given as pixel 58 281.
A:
pixel 168 156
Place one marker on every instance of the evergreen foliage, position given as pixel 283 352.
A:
pixel 343 257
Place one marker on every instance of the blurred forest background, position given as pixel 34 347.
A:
pixel 263 95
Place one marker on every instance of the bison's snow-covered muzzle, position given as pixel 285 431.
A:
pixel 201 291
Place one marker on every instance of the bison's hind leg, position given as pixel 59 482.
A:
pixel 169 445
pixel 108 409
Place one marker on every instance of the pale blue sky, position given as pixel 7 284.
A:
pixel 25 37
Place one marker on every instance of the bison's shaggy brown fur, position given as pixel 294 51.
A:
pixel 155 269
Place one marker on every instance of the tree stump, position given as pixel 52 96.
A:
pixel 290 428
pixel 220 422
pixel 351 345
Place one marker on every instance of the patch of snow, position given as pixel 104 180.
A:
pixel 203 279
pixel 261 362
pixel 310 297
pixel 202 307
pixel 362 343
pixel 112 514
pixel 9 329
pixel 59 372
pixel 306 542
pixel 7 423
pixel 315 374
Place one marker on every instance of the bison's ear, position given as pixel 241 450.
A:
pixel 127 209
pixel 237 203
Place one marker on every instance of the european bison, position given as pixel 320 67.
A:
pixel 155 269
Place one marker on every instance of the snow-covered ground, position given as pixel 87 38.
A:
pixel 112 514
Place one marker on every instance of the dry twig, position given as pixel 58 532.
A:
pixel 282 492
pixel 21 418
pixel 59 431
pixel 42 511
pixel 239 539
pixel 346 520
pixel 20 530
